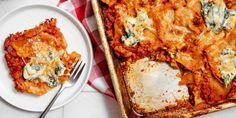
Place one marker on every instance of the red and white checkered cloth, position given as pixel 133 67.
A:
pixel 82 10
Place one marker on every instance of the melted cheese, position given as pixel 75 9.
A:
pixel 217 16
pixel 135 26
pixel 230 22
pixel 46 65
pixel 227 65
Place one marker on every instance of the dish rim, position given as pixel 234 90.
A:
pixel 125 111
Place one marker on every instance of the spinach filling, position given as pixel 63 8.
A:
pixel 130 35
pixel 227 66
pixel 216 15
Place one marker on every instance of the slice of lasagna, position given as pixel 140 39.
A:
pixel 37 58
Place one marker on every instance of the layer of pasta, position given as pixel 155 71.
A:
pixel 37 58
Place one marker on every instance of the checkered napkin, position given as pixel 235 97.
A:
pixel 82 10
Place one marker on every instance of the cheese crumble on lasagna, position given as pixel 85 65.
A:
pixel 37 58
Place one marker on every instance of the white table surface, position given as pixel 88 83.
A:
pixel 89 104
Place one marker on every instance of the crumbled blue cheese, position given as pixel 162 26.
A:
pixel 135 26
pixel 51 78
pixel 60 69
pixel 32 71
pixel 217 16
pixel 227 65
pixel 46 65
pixel 230 22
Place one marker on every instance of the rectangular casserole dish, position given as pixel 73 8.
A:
pixel 157 106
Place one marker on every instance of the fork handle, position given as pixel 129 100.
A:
pixel 52 102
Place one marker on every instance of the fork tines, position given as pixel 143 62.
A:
pixel 77 70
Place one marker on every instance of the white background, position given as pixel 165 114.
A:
pixel 89 104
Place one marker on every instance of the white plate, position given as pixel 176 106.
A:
pixel 76 36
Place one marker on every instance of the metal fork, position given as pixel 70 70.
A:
pixel 74 76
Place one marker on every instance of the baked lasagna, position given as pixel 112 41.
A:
pixel 197 37
pixel 37 58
